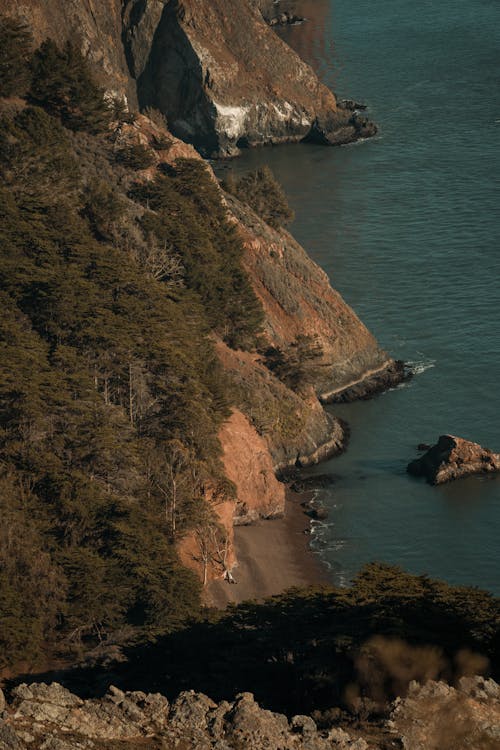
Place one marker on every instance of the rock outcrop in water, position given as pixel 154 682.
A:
pixel 453 458
pixel 434 716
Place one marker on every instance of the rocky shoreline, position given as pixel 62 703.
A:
pixel 390 375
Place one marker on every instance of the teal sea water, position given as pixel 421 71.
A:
pixel 407 227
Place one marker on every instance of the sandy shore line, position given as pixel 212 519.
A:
pixel 272 556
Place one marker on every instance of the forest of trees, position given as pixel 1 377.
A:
pixel 110 392
pixel 113 288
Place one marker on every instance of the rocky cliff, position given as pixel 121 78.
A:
pixel 225 80
pixel 274 425
pixel 94 25
pixel 433 717
pixel 217 71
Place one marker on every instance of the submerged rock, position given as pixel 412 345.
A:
pixel 314 482
pixel 452 458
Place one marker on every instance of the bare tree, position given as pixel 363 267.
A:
pixel 161 262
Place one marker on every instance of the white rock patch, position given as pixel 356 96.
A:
pixel 231 120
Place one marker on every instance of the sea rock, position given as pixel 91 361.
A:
pixel 314 482
pixel 351 105
pixel 453 458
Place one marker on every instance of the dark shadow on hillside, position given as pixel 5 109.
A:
pixel 309 650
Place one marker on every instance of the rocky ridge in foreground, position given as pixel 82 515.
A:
pixel 434 716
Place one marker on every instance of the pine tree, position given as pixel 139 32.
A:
pixel 16 43
pixel 63 84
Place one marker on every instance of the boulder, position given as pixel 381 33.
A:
pixel 452 458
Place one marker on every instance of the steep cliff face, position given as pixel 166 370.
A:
pixel 299 301
pixel 224 79
pixel 248 464
pixel 95 25
pixel 216 70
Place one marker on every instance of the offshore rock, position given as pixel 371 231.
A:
pixel 224 79
pixel 453 458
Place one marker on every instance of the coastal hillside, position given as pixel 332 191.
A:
pixel 166 351
pixel 152 323
pixel 218 73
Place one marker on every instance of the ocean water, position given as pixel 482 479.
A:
pixel 407 227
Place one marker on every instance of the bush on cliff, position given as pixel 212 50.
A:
pixel 62 83
pixel 16 46
pixel 186 213
pixel 295 365
pixel 263 193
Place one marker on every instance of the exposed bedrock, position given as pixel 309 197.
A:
pixel 224 79
pixel 298 300
pixel 452 458
pixel 95 25
pixel 433 716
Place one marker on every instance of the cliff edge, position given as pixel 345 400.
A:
pixel 225 80
pixel 220 75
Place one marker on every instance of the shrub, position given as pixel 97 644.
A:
pixel 16 44
pixel 63 85
pixel 263 193
pixel 136 156
pixel 295 365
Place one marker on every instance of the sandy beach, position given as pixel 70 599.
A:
pixel 272 556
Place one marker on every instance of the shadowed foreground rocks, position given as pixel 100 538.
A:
pixel 49 717
pixel 453 458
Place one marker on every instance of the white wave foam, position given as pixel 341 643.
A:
pixel 418 367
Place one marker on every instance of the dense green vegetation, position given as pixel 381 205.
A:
pixel 263 193
pixel 15 57
pixel 110 392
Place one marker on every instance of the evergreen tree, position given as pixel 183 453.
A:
pixel 62 84
pixel 264 195
pixel 16 43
